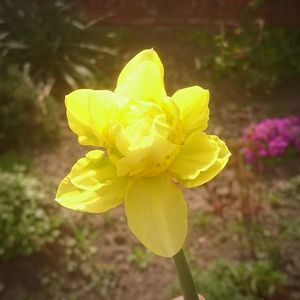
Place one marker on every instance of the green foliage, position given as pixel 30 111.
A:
pixel 290 229
pixel 141 257
pixel 54 39
pixel 261 58
pixel 227 280
pixel 291 189
pixel 201 219
pixel 29 226
pixel 25 224
pixel 79 273
pixel 254 4
pixel 25 121
pixel 256 58
pixel 288 194
pixel 14 161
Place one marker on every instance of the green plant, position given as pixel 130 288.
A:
pixel 254 4
pixel 57 43
pixel 256 58
pixel 79 272
pixel 25 121
pixel 290 229
pixel 68 268
pixel 287 197
pixel 291 189
pixel 26 225
pixel 13 161
pixel 201 219
pixel 261 58
pixel 141 257
pixel 238 281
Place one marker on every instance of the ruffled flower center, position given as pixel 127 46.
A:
pixel 145 137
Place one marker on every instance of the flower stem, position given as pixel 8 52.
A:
pixel 185 277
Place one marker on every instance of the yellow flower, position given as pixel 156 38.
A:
pixel 152 144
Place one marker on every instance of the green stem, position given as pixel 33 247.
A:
pixel 185 277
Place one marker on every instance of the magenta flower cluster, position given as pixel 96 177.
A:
pixel 271 138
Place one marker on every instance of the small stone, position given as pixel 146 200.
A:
pixel 202 240
pixel 223 191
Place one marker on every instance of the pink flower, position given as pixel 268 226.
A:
pixel 271 138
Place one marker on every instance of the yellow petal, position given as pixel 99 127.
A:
pixel 214 169
pixel 146 55
pixel 92 185
pixel 145 160
pixel 196 155
pixel 157 214
pixel 142 78
pixel 92 171
pixel 78 116
pixel 106 197
pixel 193 106
pixel 102 109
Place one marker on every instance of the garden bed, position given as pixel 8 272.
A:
pixel 220 211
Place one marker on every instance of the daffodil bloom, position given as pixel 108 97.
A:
pixel 149 144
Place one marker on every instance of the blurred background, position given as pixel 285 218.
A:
pixel 244 231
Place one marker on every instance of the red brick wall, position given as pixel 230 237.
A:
pixel 160 12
